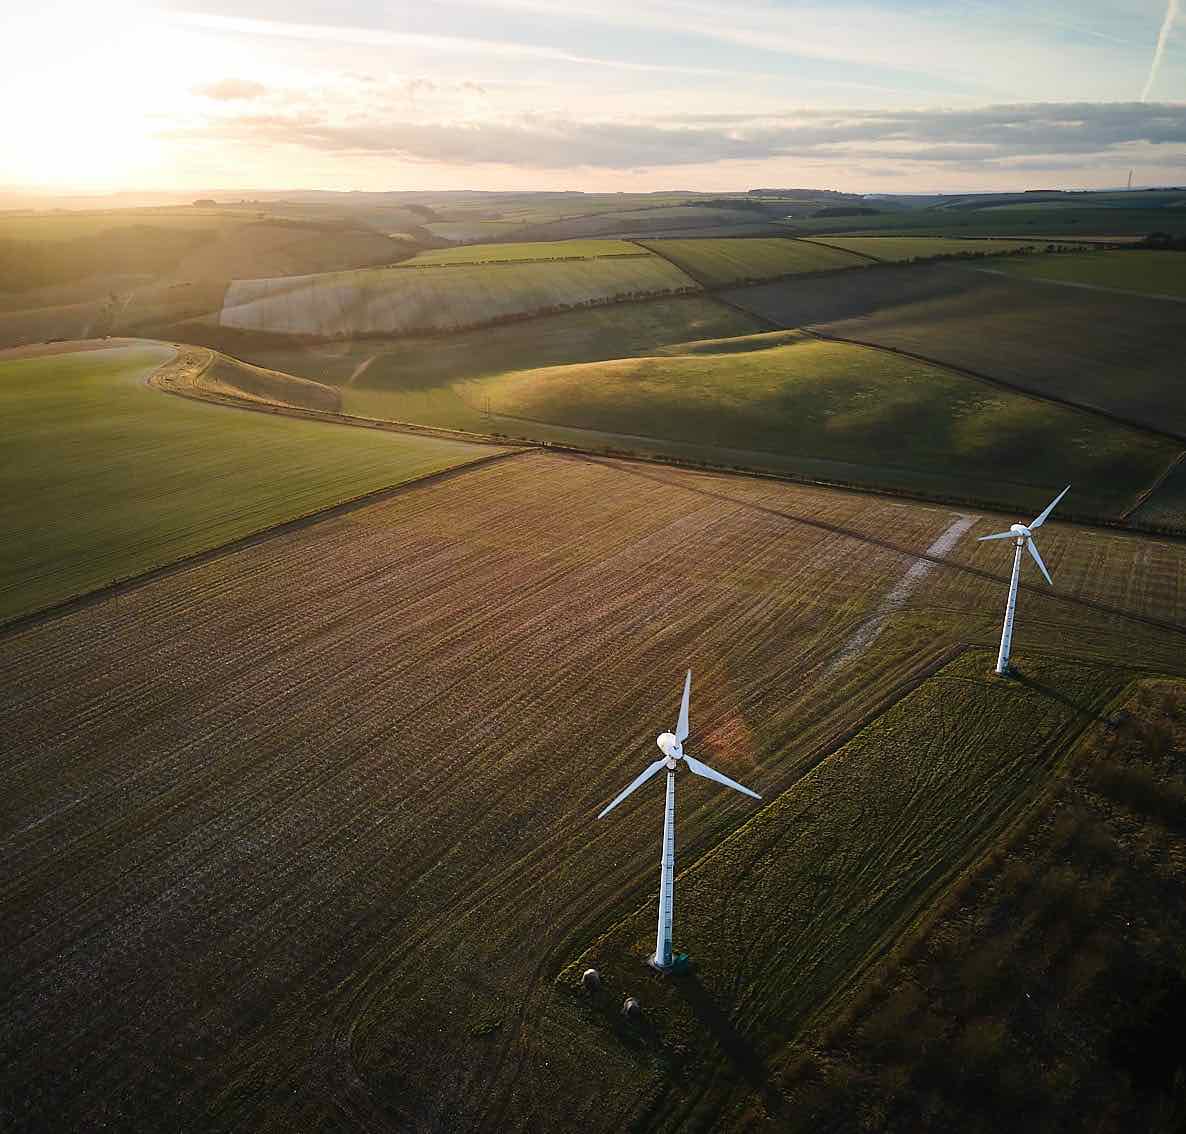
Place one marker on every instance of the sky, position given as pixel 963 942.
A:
pixel 599 95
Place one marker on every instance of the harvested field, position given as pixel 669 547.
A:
pixel 921 793
pixel 105 478
pixel 405 300
pixel 285 865
pixel 1012 994
pixel 719 263
pixel 1118 354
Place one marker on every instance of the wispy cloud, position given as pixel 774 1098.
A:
pixel 1171 17
pixel 986 136
pixel 351 35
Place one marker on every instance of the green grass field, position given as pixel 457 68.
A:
pixel 719 263
pixel 876 417
pixel 104 478
pixel 397 300
pixel 894 249
pixel 1136 270
pixel 528 250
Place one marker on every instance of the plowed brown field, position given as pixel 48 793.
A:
pixel 300 838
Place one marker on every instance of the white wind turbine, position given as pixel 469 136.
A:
pixel 671 745
pixel 1022 537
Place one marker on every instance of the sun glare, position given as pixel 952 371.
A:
pixel 90 109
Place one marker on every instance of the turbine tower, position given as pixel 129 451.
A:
pixel 1022 536
pixel 671 744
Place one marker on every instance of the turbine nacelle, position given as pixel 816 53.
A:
pixel 1021 531
pixel 671 747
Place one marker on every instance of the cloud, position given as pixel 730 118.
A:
pixel 985 136
pixel 228 90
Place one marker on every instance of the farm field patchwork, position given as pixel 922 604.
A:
pixel 1116 353
pixel 719 263
pixel 269 869
pixel 792 401
pixel 401 300
pixel 105 478
pixel 1136 270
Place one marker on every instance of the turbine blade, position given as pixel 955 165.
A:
pixel 997 535
pixel 1038 560
pixel 681 729
pixel 711 774
pixel 1040 519
pixel 638 781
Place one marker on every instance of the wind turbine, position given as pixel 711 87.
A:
pixel 1022 537
pixel 671 744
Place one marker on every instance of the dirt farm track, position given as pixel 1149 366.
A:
pixel 299 837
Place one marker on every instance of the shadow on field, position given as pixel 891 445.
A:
pixel 1088 711
pixel 742 1057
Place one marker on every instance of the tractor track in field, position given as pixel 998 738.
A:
pixel 1152 490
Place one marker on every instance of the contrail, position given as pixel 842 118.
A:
pixel 1171 16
